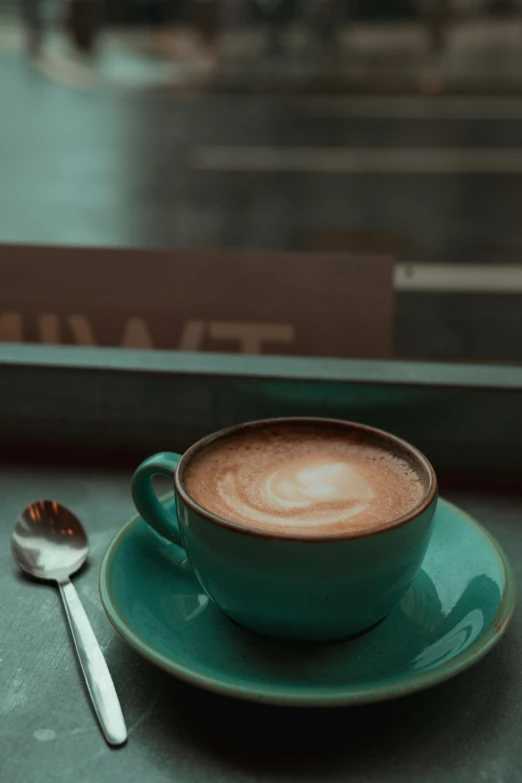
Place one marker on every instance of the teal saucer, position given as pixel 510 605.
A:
pixel 456 610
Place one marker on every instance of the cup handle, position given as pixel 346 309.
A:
pixel 145 499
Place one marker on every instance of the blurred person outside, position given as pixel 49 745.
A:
pixel 322 18
pixel 191 33
pixel 325 18
pixel 32 17
pixel 80 18
pixel 81 21
pixel 207 21
pixel 437 15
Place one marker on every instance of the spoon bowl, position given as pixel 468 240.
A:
pixel 49 541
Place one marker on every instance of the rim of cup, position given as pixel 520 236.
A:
pixel 387 441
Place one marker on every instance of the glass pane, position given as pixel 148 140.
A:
pixel 317 126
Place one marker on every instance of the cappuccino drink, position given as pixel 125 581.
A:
pixel 303 479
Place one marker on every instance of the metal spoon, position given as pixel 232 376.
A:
pixel 50 543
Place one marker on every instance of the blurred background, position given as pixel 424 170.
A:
pixel 359 127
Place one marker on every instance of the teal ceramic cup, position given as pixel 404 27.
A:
pixel 318 588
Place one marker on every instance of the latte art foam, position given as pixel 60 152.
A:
pixel 301 493
pixel 302 480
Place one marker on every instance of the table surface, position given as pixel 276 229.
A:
pixel 466 730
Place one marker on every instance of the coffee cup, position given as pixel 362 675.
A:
pixel 303 528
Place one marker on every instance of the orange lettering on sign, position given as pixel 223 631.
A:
pixel 192 336
pixel 11 327
pixel 136 334
pixel 49 328
pixel 81 329
pixel 251 336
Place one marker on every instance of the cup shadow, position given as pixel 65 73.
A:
pixel 301 742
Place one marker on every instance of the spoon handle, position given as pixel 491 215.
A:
pixel 97 676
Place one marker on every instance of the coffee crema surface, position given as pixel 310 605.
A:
pixel 303 480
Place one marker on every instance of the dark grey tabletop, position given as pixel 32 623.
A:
pixel 466 730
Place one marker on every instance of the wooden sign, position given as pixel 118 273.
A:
pixel 304 304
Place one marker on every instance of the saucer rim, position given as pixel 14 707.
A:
pixel 313 697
